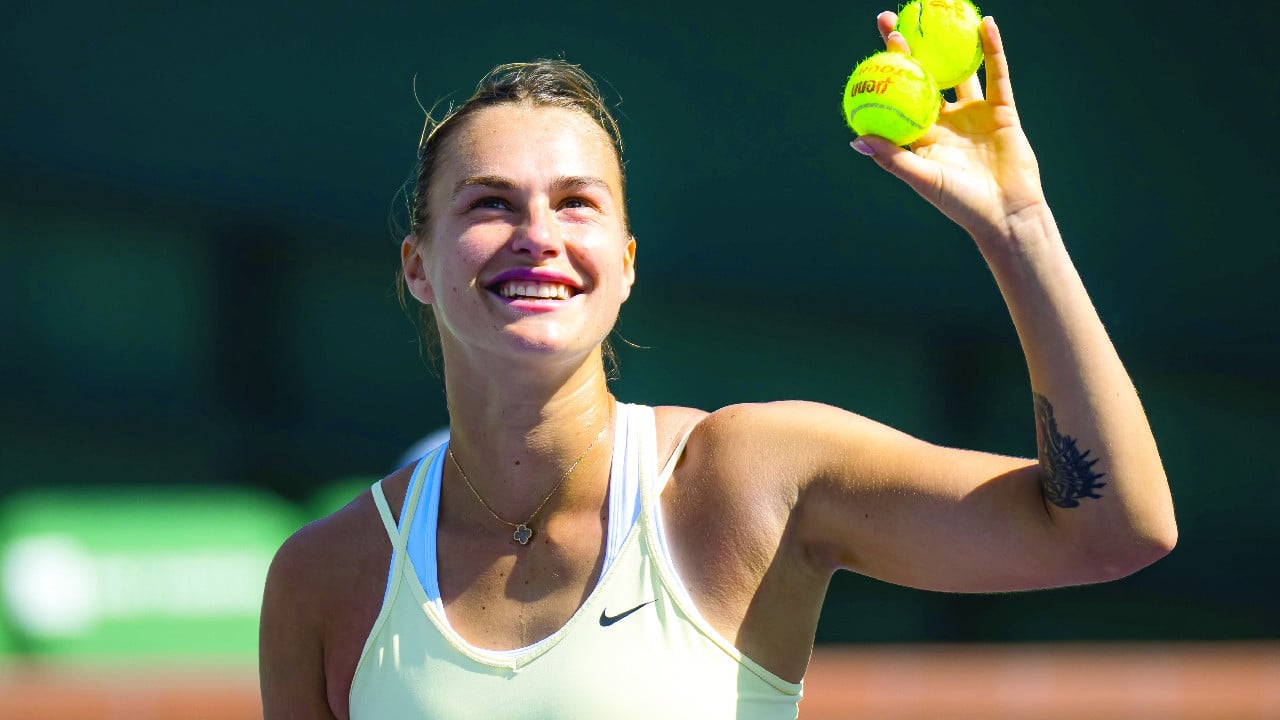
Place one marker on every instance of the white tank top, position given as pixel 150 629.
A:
pixel 636 648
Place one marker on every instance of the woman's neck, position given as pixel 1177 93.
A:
pixel 515 435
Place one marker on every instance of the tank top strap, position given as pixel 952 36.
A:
pixel 397 532
pixel 665 474
pixel 384 510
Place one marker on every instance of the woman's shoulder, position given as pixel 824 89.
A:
pixel 324 590
pixel 338 550
pixel 757 421
pixel 674 422
pixel 774 441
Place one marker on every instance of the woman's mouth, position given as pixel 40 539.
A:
pixel 533 290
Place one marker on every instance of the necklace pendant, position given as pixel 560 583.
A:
pixel 522 534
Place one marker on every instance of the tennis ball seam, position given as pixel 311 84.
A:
pixel 879 106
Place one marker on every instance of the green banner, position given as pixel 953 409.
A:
pixel 139 573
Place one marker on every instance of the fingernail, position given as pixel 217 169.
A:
pixel 862 147
pixel 882 12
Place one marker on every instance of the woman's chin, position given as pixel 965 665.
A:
pixel 546 341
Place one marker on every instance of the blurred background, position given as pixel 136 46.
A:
pixel 203 349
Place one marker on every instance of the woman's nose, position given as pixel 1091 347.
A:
pixel 539 234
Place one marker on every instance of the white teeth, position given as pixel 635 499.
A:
pixel 539 290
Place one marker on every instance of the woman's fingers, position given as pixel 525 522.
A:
pixel 893 40
pixel 999 88
pixel 886 22
pixel 897 43
pixel 969 89
pixel 919 174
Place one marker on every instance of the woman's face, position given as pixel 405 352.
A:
pixel 528 249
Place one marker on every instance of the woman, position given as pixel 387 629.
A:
pixel 567 555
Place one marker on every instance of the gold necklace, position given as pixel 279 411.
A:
pixel 523 533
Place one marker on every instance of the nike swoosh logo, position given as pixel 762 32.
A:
pixel 606 619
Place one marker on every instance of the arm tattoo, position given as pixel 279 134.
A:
pixel 1068 472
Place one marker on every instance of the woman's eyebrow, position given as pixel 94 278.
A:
pixel 496 182
pixel 579 182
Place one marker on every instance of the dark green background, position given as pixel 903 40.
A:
pixel 196 265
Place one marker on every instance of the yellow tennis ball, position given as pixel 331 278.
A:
pixel 890 95
pixel 944 36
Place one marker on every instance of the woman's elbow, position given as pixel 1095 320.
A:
pixel 1141 549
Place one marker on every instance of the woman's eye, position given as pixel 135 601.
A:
pixel 490 203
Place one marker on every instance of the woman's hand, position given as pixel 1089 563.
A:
pixel 974 164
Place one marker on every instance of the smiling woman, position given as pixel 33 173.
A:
pixel 568 555
pixel 543 183
pixel 545 84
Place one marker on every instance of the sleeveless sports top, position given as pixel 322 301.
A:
pixel 636 648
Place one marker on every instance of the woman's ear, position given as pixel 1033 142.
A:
pixel 628 267
pixel 415 271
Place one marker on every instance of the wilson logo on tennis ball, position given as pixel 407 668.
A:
pixel 871 86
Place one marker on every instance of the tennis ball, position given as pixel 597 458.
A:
pixel 890 95
pixel 944 37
